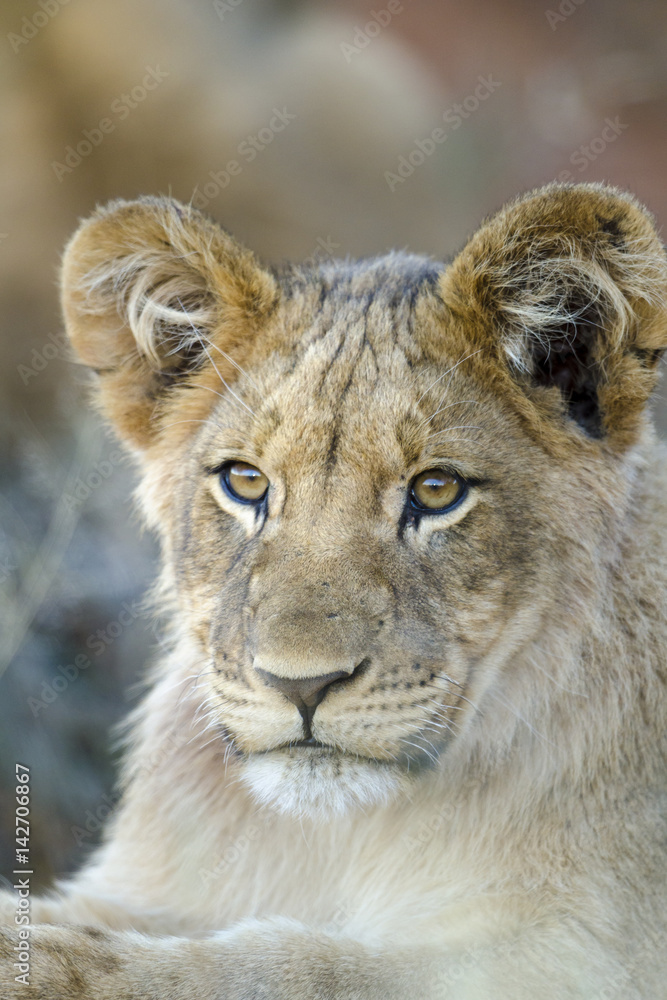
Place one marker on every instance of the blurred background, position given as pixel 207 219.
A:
pixel 327 109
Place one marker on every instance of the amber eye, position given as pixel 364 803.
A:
pixel 244 482
pixel 436 490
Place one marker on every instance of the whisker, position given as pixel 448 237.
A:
pixel 577 694
pixel 423 738
pixel 220 395
pixel 448 678
pixel 215 367
pixel 218 736
pixel 458 685
pixel 517 714
pixel 444 374
pixel 422 750
pixel 459 427
pixel 214 391
pixel 436 728
pixel 174 423
pixel 189 677
pixel 459 402
pixel 232 362
pixel 441 707
pixel 470 441
pixel 437 718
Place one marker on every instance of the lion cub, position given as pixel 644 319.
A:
pixel 408 741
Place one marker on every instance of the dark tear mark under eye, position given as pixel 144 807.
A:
pixel 408 518
pixel 262 511
pixel 238 557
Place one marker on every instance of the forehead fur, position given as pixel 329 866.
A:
pixel 557 300
pixel 393 276
pixel 346 363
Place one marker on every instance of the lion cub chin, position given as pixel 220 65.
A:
pixel 319 783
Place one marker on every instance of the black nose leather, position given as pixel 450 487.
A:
pixel 304 692
pixel 307 691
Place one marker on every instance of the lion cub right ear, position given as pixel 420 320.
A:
pixel 565 288
pixel 150 290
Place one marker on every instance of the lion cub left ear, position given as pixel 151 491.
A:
pixel 154 294
pixel 567 288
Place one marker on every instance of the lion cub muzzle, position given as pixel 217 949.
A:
pixel 304 692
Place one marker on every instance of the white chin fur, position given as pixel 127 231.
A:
pixel 318 786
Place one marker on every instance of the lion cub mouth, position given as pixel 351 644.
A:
pixel 311 744
pixel 311 749
pixel 308 778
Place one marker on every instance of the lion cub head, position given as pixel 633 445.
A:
pixel 378 484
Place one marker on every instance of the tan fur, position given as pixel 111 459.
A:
pixel 484 815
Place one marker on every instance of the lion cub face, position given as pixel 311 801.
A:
pixel 351 539
pixel 371 479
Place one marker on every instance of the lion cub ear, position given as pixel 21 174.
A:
pixel 567 287
pixel 150 290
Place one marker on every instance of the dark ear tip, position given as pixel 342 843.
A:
pixel 649 357
pixel 586 211
pixel 121 215
pixel 594 194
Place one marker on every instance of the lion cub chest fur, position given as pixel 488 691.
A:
pixel 413 527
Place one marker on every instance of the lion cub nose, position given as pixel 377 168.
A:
pixel 304 692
